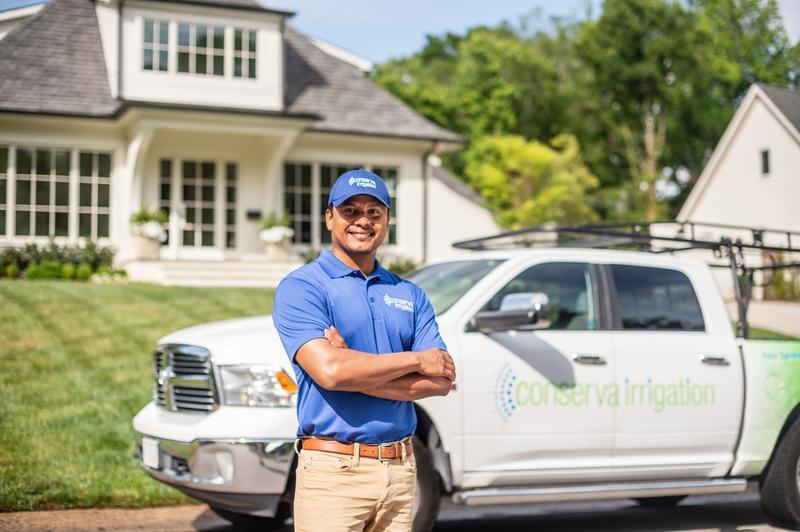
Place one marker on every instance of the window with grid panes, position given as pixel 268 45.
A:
pixel 297 200
pixel 94 194
pixel 198 183
pixel 244 53
pixel 230 205
pixel 327 177
pixel 156 45
pixel 42 197
pixel 201 49
pixel 389 175
pixel 3 187
pixel 165 191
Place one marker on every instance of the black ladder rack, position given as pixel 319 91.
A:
pixel 675 237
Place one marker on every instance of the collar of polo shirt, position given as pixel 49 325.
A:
pixel 336 268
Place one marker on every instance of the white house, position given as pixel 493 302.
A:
pixel 753 176
pixel 216 112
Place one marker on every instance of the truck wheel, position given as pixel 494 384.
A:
pixel 253 522
pixel 780 488
pixel 428 497
pixel 660 502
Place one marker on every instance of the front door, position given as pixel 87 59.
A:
pixel 539 404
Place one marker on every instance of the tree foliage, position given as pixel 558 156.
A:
pixel 645 89
pixel 527 182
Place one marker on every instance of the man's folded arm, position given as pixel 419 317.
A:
pixel 411 387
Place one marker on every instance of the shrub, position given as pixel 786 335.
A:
pixel 103 270
pixel 32 271
pixel 50 269
pixel 401 266
pixel 12 270
pixel 24 256
pixel 68 271
pixel 84 271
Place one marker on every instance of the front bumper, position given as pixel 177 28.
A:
pixel 236 458
pixel 238 475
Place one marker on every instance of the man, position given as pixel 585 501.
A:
pixel 364 343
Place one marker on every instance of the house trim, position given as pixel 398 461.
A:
pixel 756 93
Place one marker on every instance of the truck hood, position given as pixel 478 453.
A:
pixel 251 340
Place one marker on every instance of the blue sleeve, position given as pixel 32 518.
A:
pixel 300 314
pixel 426 330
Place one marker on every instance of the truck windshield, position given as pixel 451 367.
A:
pixel 445 283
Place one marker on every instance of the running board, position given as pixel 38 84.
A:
pixel 588 492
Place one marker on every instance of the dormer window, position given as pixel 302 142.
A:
pixel 156 45
pixel 244 53
pixel 201 49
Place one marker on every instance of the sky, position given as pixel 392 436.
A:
pixel 381 29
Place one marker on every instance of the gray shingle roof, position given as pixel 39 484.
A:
pixel 455 184
pixel 348 102
pixel 788 101
pixel 53 63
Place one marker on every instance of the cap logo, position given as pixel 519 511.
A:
pixel 362 182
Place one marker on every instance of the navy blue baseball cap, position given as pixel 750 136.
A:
pixel 354 182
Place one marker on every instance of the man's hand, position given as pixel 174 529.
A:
pixel 433 362
pixel 437 363
pixel 333 336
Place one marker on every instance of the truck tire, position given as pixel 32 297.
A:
pixel 428 497
pixel 660 502
pixel 253 522
pixel 780 488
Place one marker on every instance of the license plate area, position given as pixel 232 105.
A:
pixel 151 454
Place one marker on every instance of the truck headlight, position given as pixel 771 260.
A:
pixel 257 386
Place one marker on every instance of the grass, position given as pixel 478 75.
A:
pixel 75 363
pixel 757 333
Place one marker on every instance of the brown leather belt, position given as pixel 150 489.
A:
pixel 379 451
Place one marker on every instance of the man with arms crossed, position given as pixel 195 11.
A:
pixel 364 343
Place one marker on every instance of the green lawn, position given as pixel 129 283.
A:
pixel 757 333
pixel 75 366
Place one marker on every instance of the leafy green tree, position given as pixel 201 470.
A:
pixel 528 182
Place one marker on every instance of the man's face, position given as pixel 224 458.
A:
pixel 358 225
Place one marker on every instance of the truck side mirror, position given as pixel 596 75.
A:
pixel 520 311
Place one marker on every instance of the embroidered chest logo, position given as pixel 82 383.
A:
pixel 398 303
pixel 362 182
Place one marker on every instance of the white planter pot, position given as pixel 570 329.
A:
pixel 278 251
pixel 146 248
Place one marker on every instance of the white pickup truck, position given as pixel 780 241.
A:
pixel 582 374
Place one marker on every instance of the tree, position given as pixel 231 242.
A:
pixel 528 182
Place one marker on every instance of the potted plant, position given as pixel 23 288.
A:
pixel 277 236
pixel 148 230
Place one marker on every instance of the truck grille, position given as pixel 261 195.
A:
pixel 183 379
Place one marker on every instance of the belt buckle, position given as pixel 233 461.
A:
pixel 380 448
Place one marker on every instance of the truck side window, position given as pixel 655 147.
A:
pixel 568 287
pixel 656 298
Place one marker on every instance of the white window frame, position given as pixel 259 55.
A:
pixel 73 209
pixel 245 54
pixel 156 46
pixel 209 50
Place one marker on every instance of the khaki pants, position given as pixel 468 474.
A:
pixel 337 493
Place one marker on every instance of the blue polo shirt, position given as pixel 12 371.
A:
pixel 382 313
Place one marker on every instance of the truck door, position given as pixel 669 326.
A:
pixel 678 371
pixel 538 402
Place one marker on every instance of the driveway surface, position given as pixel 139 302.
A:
pixel 723 513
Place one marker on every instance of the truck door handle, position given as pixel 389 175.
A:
pixel 593 360
pixel 715 360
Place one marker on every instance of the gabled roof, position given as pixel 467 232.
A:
pixel 783 104
pixel 348 102
pixel 455 184
pixel 53 63
pixel 788 101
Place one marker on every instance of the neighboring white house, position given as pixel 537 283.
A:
pixel 216 112
pixel 753 176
